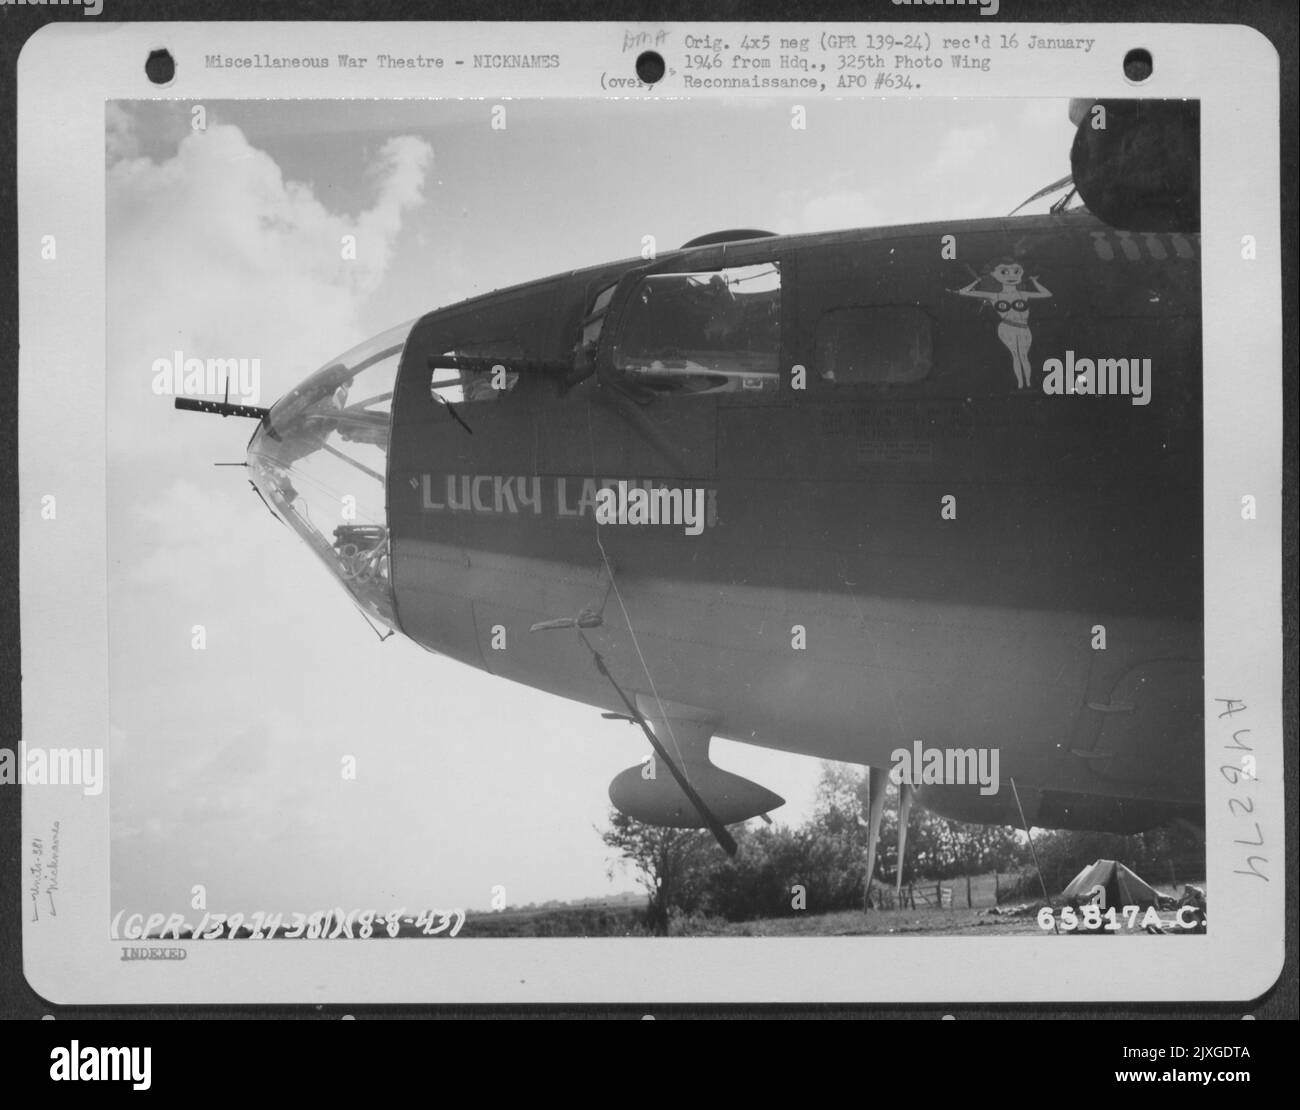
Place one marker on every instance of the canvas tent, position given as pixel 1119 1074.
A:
pixel 1122 886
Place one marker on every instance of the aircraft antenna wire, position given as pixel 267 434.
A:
pixel 716 827
pixel 1033 852
pixel 627 618
pixel 1068 179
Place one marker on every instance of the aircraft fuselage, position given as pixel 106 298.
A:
pixel 905 537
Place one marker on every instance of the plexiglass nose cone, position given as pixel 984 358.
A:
pixel 320 461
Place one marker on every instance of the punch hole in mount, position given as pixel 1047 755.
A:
pixel 650 66
pixel 160 67
pixel 1137 65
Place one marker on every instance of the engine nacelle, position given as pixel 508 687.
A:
pixel 1137 163
pixel 649 793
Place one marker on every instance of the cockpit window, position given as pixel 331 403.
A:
pixel 883 345
pixel 711 332
pixel 594 321
pixel 583 353
pixel 475 372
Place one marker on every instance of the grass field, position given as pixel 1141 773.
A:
pixel 625 917
pixel 926 920
pixel 855 923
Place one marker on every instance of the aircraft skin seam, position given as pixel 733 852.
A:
pixel 829 610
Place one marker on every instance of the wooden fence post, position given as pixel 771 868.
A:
pixel 969 904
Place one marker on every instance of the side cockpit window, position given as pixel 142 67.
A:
pixel 474 372
pixel 583 352
pixel 884 345
pixel 594 322
pixel 710 332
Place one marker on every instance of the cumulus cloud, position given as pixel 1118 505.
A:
pixel 214 253
pixel 835 211
pixel 961 147
pixel 121 139
pixel 185 535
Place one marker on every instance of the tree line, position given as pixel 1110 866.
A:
pixel 820 866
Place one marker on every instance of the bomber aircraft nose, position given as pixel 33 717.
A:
pixel 319 459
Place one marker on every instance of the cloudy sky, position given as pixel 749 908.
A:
pixel 225 242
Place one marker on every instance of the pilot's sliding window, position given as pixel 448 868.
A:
pixel 710 332
pixel 481 378
pixel 881 345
